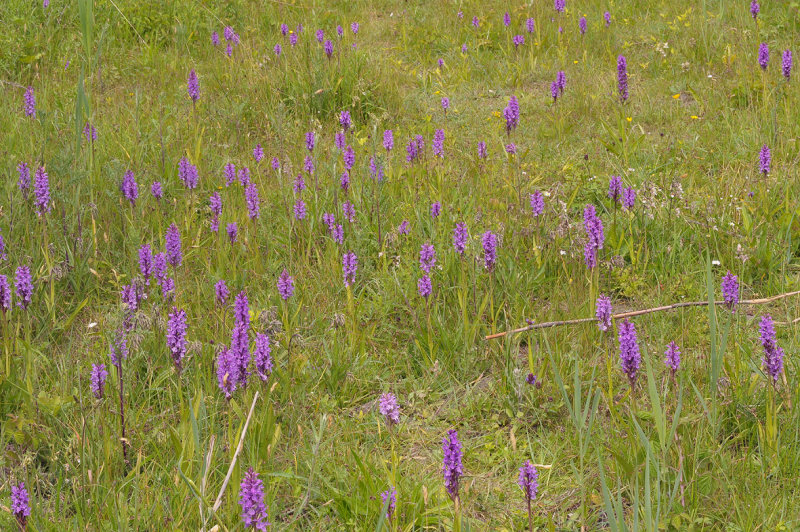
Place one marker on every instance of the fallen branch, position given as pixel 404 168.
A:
pixel 218 502
pixel 547 324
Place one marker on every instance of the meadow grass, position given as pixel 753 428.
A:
pixel 715 448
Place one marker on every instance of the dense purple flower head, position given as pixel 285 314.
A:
pixel 232 229
pixel 229 50
pixel 730 290
pixel 41 191
pixel 129 187
pixel 293 39
pixel 262 356
pixel 511 114
pixel 530 25
pixel 511 148
pixel 215 204
pixel 349 267
pixel 284 30
pixel 229 172
pixel 311 140
pixel 773 355
pixel 603 312
pixel 476 22
pixel 156 191
pixel 348 157
pixel 389 409
pixel 300 211
pixel 672 357
pixel 344 181
pixel 340 140
pixel 489 243
pixel 528 480
pixel 240 354
pixel 427 258
pixel 5 294
pixel 340 31
pixel 277 49
pixel 389 495
pixel 537 203
pixel 229 33
pixel 176 335
pixel 251 499
pixel 160 267
pixel 506 19
pixel 20 506
pixel 227 372
pixel 438 143
pixel 90 132
pixel 258 153
pixel 452 469
pixel 23 286
pixel 354 28
pixel 349 211
pixel 629 355
pixel 554 91
pixel 276 164
pixel 518 40
pixel 607 18
pixel 402 229
pixel 285 285
pixel 628 198
pixel 388 140
pixel 244 176
pixel 3 255
pixel 482 150
pixel 345 120
pixel 98 379
pixel 221 292
pixel 445 103
pixel 308 164
pixel 215 38
pixel 131 295
pixel 172 242
pixel 193 86
pixel 622 78
pixel 765 159
pixel 786 64
pixel 188 174
pixel 440 62
pixel 559 5
pixel 460 236
pixel 424 286
pixel 118 349
pixel 754 9
pixel 464 48
pixel 411 151
pixel 241 310
pixel 24 181
pixel 30 102
pixel 582 25
pixel 436 209
pixel 615 188
pixel 596 236
pixel 329 220
pixel 337 233
pixel 561 81
pixel 253 201
pixel 299 184
pixel 763 56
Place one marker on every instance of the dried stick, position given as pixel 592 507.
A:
pixel 218 502
pixel 547 324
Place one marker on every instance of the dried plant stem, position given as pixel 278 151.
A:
pixel 218 502
pixel 547 324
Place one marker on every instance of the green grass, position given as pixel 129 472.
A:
pixel 667 456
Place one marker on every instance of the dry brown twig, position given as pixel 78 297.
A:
pixel 547 324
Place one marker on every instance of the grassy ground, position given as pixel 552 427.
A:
pixel 688 454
